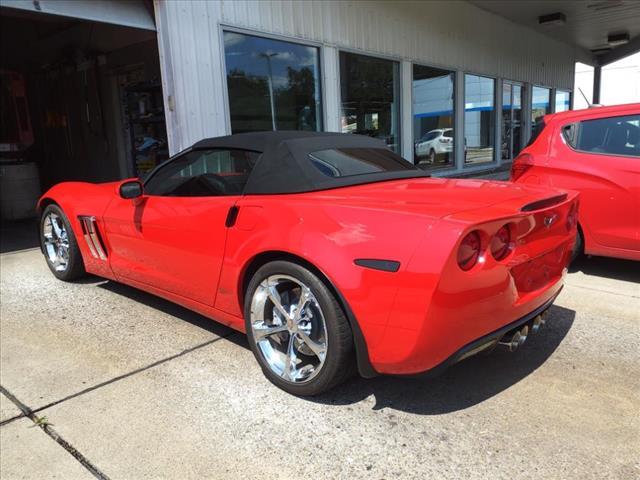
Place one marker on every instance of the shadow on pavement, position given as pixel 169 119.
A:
pixel 18 235
pixel 167 307
pixel 615 268
pixel 462 386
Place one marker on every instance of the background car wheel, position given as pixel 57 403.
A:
pixel 432 156
pixel 59 245
pixel 578 247
pixel 297 330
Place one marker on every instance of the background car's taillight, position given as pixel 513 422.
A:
pixel 469 251
pixel 572 217
pixel 501 243
pixel 520 165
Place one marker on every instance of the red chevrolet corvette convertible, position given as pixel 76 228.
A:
pixel 328 250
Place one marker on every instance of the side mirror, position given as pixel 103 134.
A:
pixel 131 189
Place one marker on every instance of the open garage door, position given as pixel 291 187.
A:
pixel 81 97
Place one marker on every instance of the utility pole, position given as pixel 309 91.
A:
pixel 268 57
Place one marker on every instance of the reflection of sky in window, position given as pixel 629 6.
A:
pixel 540 97
pixel 563 101
pixel 433 96
pixel 507 89
pixel 246 53
pixel 478 93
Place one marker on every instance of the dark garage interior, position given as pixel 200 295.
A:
pixel 81 100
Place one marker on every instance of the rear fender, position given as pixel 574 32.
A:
pixel 330 238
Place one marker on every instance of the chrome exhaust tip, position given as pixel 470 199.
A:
pixel 513 343
pixel 537 324
pixel 524 332
pixel 516 340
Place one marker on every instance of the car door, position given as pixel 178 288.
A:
pixel 173 236
pixel 423 146
pixel 602 161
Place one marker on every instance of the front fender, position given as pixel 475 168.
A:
pixel 81 198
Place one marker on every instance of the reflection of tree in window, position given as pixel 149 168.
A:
pixel 369 91
pixel 272 84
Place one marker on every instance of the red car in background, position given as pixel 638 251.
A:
pixel 328 250
pixel 597 153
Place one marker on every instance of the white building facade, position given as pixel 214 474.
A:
pixel 446 84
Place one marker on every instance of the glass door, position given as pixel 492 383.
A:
pixel 511 120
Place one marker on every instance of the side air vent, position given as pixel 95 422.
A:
pixel 92 237
pixel 545 203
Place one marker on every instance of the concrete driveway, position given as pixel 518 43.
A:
pixel 100 379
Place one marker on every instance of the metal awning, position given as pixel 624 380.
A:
pixel 593 26
pixel 127 13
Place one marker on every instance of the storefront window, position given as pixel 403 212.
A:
pixel 563 101
pixel 511 120
pixel 433 93
pixel 479 119
pixel 369 90
pixel 540 104
pixel 273 85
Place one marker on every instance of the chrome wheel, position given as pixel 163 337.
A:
pixel 56 241
pixel 288 327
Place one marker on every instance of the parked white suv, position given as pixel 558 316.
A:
pixel 434 142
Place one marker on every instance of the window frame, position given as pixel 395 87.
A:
pixel 453 167
pixel 523 101
pixel 390 58
pixel 551 98
pixel 469 168
pixel 189 150
pixel 598 154
pixel 226 27
pixel 555 99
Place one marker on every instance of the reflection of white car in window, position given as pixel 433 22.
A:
pixel 434 142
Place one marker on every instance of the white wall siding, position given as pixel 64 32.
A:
pixel 450 34
pixel 193 81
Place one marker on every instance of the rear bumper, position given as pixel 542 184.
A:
pixel 425 330
pixel 485 341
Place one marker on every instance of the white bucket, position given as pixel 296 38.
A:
pixel 19 190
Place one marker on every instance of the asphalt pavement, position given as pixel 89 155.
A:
pixel 99 379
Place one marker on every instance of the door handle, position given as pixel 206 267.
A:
pixel 232 216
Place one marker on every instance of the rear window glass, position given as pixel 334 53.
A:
pixel 448 133
pixel 347 162
pixel 608 136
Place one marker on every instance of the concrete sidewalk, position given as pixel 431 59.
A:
pixel 126 385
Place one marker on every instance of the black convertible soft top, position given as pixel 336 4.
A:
pixel 286 167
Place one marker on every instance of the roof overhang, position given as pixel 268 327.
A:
pixel 585 24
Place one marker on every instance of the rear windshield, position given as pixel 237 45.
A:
pixel 448 133
pixel 537 130
pixel 347 162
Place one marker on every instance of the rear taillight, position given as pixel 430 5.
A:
pixel 521 164
pixel 572 217
pixel 501 243
pixel 469 251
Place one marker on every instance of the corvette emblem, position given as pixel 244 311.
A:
pixel 548 221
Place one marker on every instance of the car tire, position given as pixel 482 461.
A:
pixel 432 156
pixel 59 245
pixel 578 247
pixel 321 321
